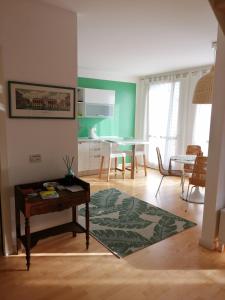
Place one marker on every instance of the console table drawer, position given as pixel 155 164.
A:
pixel 55 205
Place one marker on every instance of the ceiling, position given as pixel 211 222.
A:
pixel 140 37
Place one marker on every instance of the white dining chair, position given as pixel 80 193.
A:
pixel 114 153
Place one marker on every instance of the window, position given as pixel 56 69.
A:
pixel 163 120
pixel 202 127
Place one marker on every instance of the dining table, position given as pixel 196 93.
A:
pixel 184 159
pixel 197 196
pixel 129 142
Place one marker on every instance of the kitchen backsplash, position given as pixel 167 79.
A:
pixel 123 122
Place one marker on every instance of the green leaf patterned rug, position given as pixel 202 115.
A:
pixel 125 224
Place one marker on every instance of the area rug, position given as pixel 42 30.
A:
pixel 125 224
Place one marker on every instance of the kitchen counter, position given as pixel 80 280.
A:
pixel 90 152
pixel 99 139
pixel 87 140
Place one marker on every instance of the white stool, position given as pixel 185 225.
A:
pixel 139 152
pixel 114 154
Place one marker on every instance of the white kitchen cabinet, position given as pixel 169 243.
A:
pixel 89 156
pixel 89 153
pixel 83 156
pixel 95 110
pixel 95 103
pixel 97 96
pixel 94 155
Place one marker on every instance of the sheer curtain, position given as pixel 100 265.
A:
pixel 141 117
pixel 202 127
pixel 166 116
pixel 163 118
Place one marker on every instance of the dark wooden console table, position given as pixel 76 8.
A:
pixel 37 206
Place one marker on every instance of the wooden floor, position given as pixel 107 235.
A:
pixel 175 268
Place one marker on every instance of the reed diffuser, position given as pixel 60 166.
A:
pixel 69 177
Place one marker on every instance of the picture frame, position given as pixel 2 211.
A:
pixel 40 101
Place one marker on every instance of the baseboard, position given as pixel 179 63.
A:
pixel 88 172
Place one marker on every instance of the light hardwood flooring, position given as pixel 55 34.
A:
pixel 175 268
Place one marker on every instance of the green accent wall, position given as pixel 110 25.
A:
pixel 123 122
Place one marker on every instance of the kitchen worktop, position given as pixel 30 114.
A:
pixel 90 152
pixel 99 139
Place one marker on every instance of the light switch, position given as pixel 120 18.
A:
pixel 35 158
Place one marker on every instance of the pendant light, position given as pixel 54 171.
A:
pixel 203 93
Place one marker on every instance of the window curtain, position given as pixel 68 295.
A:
pixel 142 108
pixel 202 127
pixel 188 113
pixel 165 115
pixel 141 117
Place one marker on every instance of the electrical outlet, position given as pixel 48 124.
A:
pixel 35 158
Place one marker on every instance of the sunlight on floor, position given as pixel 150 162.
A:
pixel 61 254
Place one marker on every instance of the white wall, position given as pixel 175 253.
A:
pixel 215 191
pixel 38 46
pixel 104 75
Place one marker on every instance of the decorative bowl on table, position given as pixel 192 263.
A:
pixel 50 186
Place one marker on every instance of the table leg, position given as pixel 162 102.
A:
pixel 115 167
pixel 28 240
pixel 182 181
pixel 18 230
pixel 197 196
pixel 74 218
pixel 87 224
pixel 133 162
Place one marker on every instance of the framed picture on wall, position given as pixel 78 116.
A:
pixel 30 100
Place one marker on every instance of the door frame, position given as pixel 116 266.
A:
pixel 4 180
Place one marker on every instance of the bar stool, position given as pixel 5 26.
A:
pixel 114 153
pixel 139 152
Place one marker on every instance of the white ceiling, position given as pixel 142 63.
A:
pixel 140 37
